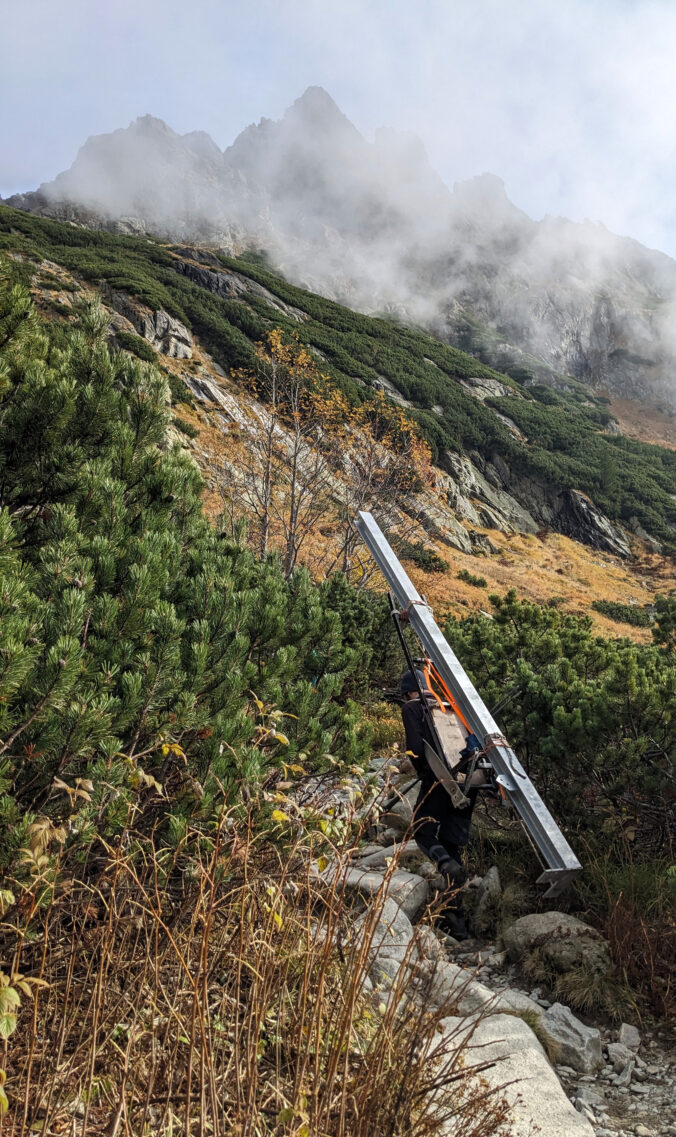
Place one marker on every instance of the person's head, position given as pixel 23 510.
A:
pixel 408 685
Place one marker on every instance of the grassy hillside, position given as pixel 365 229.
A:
pixel 566 446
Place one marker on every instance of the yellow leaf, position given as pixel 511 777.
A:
pixel 322 863
pixel 280 815
pixel 278 919
pixel 7 899
pixel 280 737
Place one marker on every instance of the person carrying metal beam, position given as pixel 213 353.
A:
pixel 440 827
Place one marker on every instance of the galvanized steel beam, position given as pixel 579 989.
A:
pixel 562 864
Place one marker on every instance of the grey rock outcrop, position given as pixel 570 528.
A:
pixel 490 494
pixel 232 285
pixel 579 518
pixel 167 334
pixel 487 902
pixel 548 506
pixel 474 499
pixel 164 332
pixel 571 1042
pixel 482 388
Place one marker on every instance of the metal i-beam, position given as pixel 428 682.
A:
pixel 562 864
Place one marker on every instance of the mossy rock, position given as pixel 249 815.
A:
pixel 560 942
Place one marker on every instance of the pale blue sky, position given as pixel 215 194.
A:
pixel 572 102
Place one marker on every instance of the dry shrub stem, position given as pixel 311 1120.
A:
pixel 221 989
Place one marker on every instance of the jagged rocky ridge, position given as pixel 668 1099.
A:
pixel 482 484
pixel 471 492
pixel 372 225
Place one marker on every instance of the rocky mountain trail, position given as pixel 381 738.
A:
pixel 562 1065
pixel 560 1071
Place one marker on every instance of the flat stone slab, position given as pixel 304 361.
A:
pixel 409 891
pixel 537 1102
pixel 448 983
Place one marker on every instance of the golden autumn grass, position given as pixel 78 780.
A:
pixel 221 988
pixel 539 567
pixel 645 423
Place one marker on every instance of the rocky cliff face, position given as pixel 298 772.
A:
pixel 372 225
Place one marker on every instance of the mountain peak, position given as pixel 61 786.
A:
pixel 317 100
pixel 315 110
pixel 151 125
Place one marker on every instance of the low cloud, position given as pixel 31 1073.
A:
pixel 572 104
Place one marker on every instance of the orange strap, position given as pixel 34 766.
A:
pixel 427 673
pixel 432 675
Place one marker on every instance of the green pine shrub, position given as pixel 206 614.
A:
pixel 624 613
pixel 180 392
pixel 594 723
pixel 185 427
pixel 422 556
pixel 593 720
pixel 136 345
pixel 470 578
pixel 144 653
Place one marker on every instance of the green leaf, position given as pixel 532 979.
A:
pixel 9 997
pixel 7 1025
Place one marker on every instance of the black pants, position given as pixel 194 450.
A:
pixel 440 832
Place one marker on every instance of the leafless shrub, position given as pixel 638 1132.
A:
pixel 219 988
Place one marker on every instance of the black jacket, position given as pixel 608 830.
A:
pixel 417 733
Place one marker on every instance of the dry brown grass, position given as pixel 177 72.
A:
pixel 643 949
pixel 538 567
pixel 645 423
pixel 542 567
pixel 220 989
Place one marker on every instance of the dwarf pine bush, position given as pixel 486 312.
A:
pixel 138 644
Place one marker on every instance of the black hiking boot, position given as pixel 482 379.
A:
pixel 455 873
pixel 453 923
